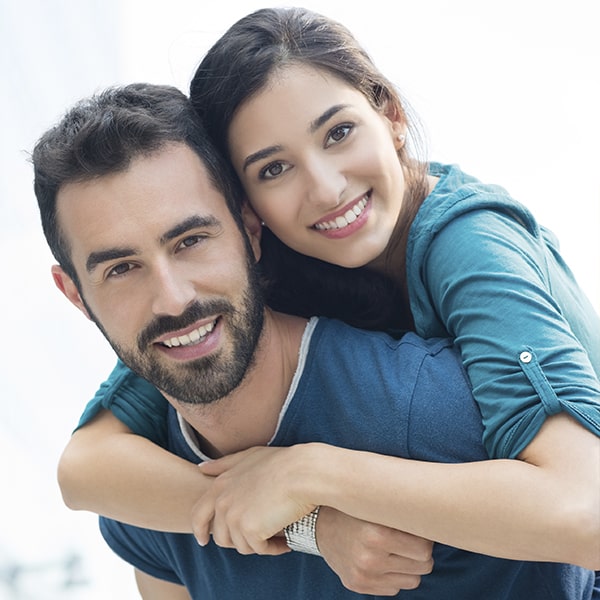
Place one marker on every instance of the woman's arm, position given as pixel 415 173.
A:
pixel 526 335
pixel 110 471
pixel 544 507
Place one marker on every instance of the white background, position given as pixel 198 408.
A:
pixel 509 90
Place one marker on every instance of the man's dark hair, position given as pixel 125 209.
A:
pixel 102 134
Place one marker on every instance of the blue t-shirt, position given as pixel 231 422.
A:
pixel 365 391
pixel 480 270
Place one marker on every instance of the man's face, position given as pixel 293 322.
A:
pixel 164 273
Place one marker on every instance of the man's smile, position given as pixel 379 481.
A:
pixel 195 336
pixel 198 342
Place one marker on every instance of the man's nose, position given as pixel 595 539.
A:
pixel 173 291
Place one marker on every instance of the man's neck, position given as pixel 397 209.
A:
pixel 248 416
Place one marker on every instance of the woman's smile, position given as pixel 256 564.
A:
pixel 345 221
pixel 319 165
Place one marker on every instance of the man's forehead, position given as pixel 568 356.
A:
pixel 157 191
pixel 173 172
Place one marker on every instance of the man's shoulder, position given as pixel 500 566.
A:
pixel 327 329
pixel 414 392
pixel 336 346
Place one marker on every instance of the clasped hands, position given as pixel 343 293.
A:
pixel 257 492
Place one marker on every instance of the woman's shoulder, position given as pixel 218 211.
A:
pixel 457 194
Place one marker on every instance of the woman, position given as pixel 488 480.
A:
pixel 318 138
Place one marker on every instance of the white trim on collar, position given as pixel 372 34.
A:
pixel 188 432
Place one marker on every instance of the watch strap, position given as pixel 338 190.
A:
pixel 301 535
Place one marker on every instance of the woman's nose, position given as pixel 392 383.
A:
pixel 325 184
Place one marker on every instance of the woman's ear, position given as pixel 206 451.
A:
pixel 397 123
pixel 67 286
pixel 393 111
pixel 398 134
pixel 253 226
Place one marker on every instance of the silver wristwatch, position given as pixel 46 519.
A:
pixel 301 535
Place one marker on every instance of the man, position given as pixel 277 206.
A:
pixel 141 215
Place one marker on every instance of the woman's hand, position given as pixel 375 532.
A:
pixel 251 499
pixel 257 492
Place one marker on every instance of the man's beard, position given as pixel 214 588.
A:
pixel 209 378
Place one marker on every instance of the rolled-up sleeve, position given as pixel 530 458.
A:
pixel 485 281
pixel 134 401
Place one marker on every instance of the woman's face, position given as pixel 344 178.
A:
pixel 319 165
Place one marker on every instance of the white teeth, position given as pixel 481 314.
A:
pixel 345 220
pixel 350 216
pixel 190 338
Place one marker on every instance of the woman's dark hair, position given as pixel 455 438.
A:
pixel 238 66
pixel 306 286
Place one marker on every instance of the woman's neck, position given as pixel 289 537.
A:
pixel 392 261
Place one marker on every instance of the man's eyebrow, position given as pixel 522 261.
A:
pixel 101 256
pixel 192 222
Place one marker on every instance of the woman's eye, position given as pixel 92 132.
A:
pixel 338 134
pixel 273 170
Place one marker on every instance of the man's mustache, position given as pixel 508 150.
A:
pixel 193 313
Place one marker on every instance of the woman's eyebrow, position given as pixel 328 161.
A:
pixel 260 154
pixel 330 112
pixel 312 128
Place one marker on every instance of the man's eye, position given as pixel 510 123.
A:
pixel 190 241
pixel 338 134
pixel 120 269
pixel 273 170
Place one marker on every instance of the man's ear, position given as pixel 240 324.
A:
pixel 253 226
pixel 67 286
